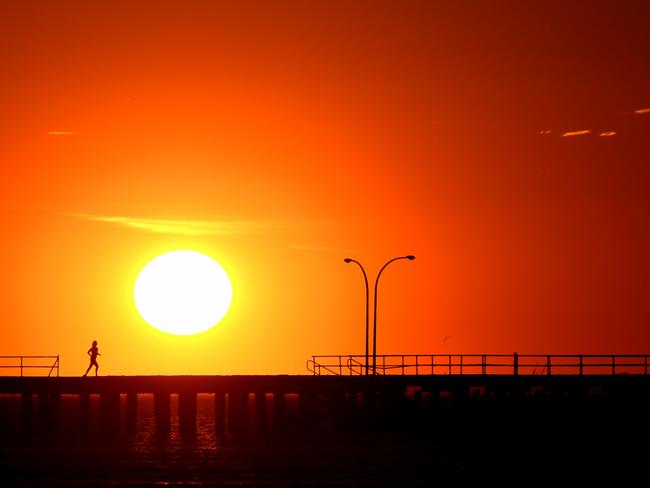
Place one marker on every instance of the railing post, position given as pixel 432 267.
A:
pixel 483 366
pixel 613 364
pixel 515 364
pixel 55 365
pixel 402 364
pixel 645 365
pixel 461 364
pixel 21 366
pixel 58 364
pixel 580 364
pixel 450 364
pixel 548 365
pixel 432 363
pixel 417 368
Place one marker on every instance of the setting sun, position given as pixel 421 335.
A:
pixel 182 292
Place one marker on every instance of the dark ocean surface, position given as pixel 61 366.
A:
pixel 524 451
pixel 324 458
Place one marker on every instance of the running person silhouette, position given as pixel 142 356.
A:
pixel 93 352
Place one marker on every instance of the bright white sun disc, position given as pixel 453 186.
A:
pixel 182 292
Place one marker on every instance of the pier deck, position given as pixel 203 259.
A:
pixel 243 404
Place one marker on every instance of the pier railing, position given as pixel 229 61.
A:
pixel 459 364
pixel 29 365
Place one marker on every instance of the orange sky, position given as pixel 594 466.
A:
pixel 294 134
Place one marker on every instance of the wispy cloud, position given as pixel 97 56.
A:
pixel 600 133
pixel 269 232
pixel 60 133
pixel 577 133
pixel 192 228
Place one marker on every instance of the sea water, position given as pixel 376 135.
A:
pixel 327 457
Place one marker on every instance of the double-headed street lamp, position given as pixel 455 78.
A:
pixel 374 327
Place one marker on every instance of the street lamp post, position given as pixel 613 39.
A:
pixel 374 327
pixel 365 278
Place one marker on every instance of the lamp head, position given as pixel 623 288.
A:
pixel 410 257
pixel 347 260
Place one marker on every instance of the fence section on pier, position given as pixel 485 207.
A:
pixel 29 365
pixel 482 364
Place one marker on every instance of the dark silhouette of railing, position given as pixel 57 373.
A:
pixel 22 363
pixel 458 364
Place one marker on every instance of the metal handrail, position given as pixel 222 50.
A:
pixel 21 366
pixel 354 363
pixel 459 364
pixel 316 368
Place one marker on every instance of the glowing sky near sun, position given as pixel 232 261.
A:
pixel 505 145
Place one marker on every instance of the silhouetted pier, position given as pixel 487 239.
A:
pixel 274 404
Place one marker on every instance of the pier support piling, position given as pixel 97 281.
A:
pixel 48 412
pixel 307 410
pixel 220 413
pixel 238 412
pixel 84 412
pixel 42 401
pixel 109 411
pixel 279 412
pixel 131 412
pixel 26 409
pixel 187 412
pixel 55 411
pixel 260 412
pixel 162 411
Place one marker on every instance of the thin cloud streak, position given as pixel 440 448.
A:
pixel 192 228
pixel 258 231
pixel 60 133
pixel 577 133
pixel 584 132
